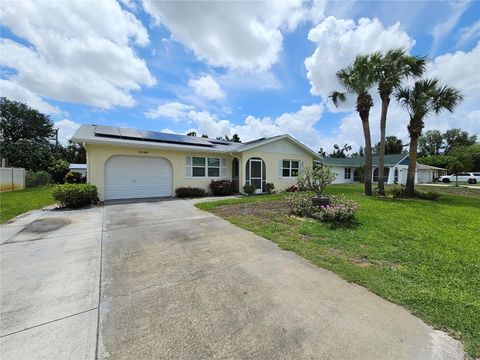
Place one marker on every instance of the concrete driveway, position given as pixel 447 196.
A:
pixel 178 283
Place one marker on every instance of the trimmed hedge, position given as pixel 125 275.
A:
pixel 399 192
pixel 222 187
pixel 269 188
pixel 75 195
pixel 249 189
pixel 183 192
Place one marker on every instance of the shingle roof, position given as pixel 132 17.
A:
pixel 389 160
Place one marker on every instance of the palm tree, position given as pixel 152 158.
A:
pixel 358 78
pixel 426 97
pixel 391 69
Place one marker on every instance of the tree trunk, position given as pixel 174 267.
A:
pixel 381 150
pixel 368 156
pixel 412 166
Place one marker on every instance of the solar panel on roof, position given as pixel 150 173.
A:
pixel 109 131
pixel 130 133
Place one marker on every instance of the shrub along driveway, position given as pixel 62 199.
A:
pixel 179 283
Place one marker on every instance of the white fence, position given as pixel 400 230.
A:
pixel 12 178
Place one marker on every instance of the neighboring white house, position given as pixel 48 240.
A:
pixel 396 167
pixel 81 168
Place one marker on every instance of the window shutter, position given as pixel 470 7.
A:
pixel 280 168
pixel 223 168
pixel 188 167
pixel 302 165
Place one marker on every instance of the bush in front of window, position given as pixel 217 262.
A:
pixel 269 188
pixel 249 189
pixel 222 187
pixel 75 195
pixel 185 192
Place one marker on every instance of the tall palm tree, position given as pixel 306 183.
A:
pixel 391 68
pixel 357 79
pixel 424 98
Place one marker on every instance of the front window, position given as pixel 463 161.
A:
pixel 290 168
pixel 202 167
pixel 348 173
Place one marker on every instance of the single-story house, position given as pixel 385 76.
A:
pixel 396 167
pixel 129 163
pixel 81 168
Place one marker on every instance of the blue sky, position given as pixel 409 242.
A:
pixel 253 68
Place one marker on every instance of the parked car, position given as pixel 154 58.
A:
pixel 471 178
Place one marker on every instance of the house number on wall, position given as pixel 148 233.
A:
pixel 142 152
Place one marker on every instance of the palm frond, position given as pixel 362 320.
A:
pixel 338 97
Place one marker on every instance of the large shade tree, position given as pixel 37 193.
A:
pixel 391 68
pixel 357 79
pixel 426 97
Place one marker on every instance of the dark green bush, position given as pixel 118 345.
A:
pixel 75 195
pixel 58 169
pixel 183 192
pixel 399 192
pixel 37 179
pixel 269 188
pixel 74 177
pixel 222 187
pixel 249 189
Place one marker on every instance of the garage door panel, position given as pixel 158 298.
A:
pixel 128 177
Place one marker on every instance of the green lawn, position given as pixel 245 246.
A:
pixel 17 202
pixel 423 255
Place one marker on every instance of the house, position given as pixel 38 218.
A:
pixel 81 168
pixel 396 166
pixel 129 163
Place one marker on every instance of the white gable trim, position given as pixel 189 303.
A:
pixel 277 138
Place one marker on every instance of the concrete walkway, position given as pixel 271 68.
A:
pixel 178 283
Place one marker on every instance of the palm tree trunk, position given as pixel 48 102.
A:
pixel 368 155
pixel 381 150
pixel 412 166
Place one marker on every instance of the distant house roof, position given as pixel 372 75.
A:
pixel 101 134
pixel 78 166
pixel 428 167
pixel 389 160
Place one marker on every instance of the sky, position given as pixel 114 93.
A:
pixel 218 68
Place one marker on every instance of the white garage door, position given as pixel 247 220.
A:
pixel 130 177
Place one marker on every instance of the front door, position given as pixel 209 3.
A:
pixel 256 175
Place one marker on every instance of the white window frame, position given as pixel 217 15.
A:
pixel 290 168
pixel 222 167
pixel 349 172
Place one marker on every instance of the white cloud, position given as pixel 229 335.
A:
pixel 172 110
pixel 444 28
pixel 240 35
pixel 66 129
pixel 299 124
pixel 207 87
pixel 84 55
pixel 468 34
pixel 339 41
pixel 13 91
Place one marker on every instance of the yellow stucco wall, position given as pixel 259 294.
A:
pixel 271 153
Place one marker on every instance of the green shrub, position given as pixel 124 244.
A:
pixel 269 188
pixel 58 169
pixel 74 177
pixel 300 203
pixel 37 179
pixel 184 192
pixel 249 189
pixel 399 192
pixel 75 195
pixel 222 187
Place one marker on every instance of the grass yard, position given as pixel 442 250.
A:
pixel 17 202
pixel 423 255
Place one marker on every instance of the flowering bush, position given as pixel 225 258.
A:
pixel 316 179
pixel 341 211
pixel 300 204
pixel 222 187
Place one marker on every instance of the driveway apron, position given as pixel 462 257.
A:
pixel 179 283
